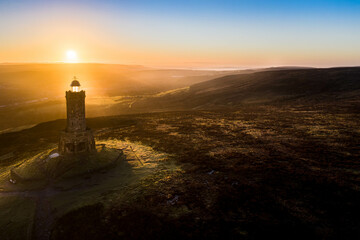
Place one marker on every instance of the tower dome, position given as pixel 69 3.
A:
pixel 75 85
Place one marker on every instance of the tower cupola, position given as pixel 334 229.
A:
pixel 75 85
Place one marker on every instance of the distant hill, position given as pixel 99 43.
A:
pixel 295 86
pixel 33 81
pixel 31 93
pixel 34 93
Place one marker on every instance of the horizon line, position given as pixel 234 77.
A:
pixel 195 68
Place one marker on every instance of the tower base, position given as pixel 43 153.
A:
pixel 76 142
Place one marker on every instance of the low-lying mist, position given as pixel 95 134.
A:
pixel 33 93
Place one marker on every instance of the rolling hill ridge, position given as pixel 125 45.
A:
pixel 299 86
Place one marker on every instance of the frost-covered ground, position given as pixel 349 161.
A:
pixel 47 203
pixel 252 173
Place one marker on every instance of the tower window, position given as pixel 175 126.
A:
pixel 76 89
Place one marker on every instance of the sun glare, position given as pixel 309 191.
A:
pixel 71 56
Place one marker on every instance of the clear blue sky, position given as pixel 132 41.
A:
pixel 184 33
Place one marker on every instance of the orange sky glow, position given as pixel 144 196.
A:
pixel 107 34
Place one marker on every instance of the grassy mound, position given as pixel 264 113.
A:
pixel 47 167
pixel 103 159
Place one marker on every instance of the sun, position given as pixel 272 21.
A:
pixel 71 56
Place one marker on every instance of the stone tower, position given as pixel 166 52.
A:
pixel 76 138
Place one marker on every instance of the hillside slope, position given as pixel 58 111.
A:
pixel 304 86
pixel 26 82
pixel 257 173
